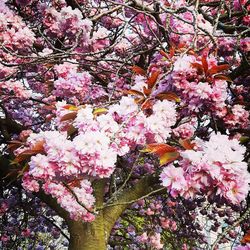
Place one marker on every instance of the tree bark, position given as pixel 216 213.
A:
pixel 88 236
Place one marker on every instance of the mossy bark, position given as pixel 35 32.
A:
pixel 88 236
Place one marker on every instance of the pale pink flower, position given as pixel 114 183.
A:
pixel 155 241
pixel 173 178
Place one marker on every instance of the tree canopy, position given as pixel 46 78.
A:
pixel 124 124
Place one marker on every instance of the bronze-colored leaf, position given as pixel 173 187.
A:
pixel 187 144
pixel 69 116
pixel 153 79
pixel 218 68
pixel 138 70
pixel 170 96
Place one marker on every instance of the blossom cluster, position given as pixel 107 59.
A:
pixel 67 201
pixel 127 124
pixel 215 166
pixel 74 86
pixel 14 34
pixel 101 138
pixel 185 130
pixel 67 21
pixel 15 88
pixel 194 88
pixel 154 240
pixel 238 117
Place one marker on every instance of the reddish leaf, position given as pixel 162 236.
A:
pixel 170 96
pixel 38 146
pixel 169 157
pixel 147 91
pixel 15 142
pixel 49 107
pixel 246 238
pixel 49 65
pixel 71 107
pixel 75 183
pixel 204 64
pixel 172 52
pixel 139 100
pixel 26 154
pixel 158 148
pixel 69 116
pixel 14 145
pixel 223 77
pixel 71 130
pixel 148 104
pixel 133 92
pixel 198 66
pixel 181 45
pixel 187 144
pixel 163 53
pixel 192 52
pixel 218 68
pixel 153 79
pixel 138 70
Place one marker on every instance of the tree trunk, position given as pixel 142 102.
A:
pixel 88 236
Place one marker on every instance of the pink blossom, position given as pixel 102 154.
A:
pixel 26 232
pixel 173 178
pixel 68 21
pixel 30 184
pixel 65 68
pixel 165 223
pixel 184 247
pixel 75 84
pixel 244 43
pixel 4 238
pixel 238 117
pixel 69 203
pixel 246 247
pixel 15 88
pixel 143 238
pixel 184 131
pixel 3 207
pixel 150 212
pixel 155 241
pixel 217 163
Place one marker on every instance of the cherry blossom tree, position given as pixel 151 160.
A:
pixel 124 124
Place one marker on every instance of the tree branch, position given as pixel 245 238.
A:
pixel 142 188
